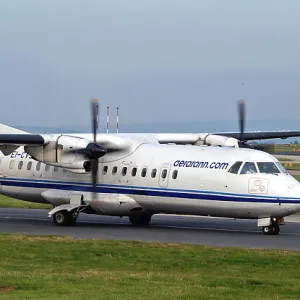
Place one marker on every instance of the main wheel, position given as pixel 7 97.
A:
pixel 65 218
pixel 275 229
pixel 267 230
pixel 140 220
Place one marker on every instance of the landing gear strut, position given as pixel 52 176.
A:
pixel 65 218
pixel 273 229
pixel 140 220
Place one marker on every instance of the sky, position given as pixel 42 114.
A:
pixel 168 61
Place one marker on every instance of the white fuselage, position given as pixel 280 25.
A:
pixel 188 180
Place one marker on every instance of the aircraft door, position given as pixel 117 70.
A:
pixel 164 175
pixel 124 177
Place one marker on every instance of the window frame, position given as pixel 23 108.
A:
pixel 20 165
pixel 114 170
pixel 175 174
pixel 144 172
pixel 153 173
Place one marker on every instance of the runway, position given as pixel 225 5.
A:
pixel 163 228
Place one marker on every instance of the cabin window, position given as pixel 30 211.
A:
pixel 164 173
pixel 104 170
pixel 144 172
pixel 175 173
pixel 55 169
pixel 249 168
pixel 20 165
pixel 133 172
pixel 267 167
pixel 38 166
pixel 153 173
pixel 114 170
pixel 124 171
pixel 47 168
pixel 29 165
pixel 11 164
pixel 235 167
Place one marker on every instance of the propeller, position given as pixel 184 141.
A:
pixel 241 112
pixel 93 150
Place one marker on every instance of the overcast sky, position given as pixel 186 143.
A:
pixel 159 60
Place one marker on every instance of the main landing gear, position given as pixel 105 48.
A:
pixel 140 219
pixel 65 218
pixel 270 226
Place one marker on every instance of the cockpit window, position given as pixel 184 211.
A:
pixel 235 167
pixel 267 167
pixel 249 168
pixel 281 168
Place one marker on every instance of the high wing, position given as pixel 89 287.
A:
pixel 262 135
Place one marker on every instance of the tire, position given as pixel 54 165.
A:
pixel 64 218
pixel 140 220
pixel 275 229
pixel 267 230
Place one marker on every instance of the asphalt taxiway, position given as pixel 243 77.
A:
pixel 163 228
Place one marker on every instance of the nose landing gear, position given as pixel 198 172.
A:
pixel 273 229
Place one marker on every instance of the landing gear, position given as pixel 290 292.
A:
pixel 273 229
pixel 65 218
pixel 140 220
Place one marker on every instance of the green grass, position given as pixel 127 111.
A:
pixel 294 166
pixel 13 203
pixel 35 267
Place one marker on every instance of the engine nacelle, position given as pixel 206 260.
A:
pixel 62 152
pixel 218 140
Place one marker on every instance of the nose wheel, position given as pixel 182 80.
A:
pixel 273 229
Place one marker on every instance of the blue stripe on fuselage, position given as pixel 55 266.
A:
pixel 146 191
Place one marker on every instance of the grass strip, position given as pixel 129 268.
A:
pixel 48 267
pixel 14 203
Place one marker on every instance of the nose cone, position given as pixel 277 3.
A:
pixel 95 151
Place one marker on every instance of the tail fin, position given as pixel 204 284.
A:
pixel 7 129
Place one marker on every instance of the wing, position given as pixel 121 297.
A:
pixel 262 135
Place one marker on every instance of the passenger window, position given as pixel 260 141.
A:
pixel 133 171
pixel 164 173
pixel 249 168
pixel 153 173
pixel 144 172
pixel 175 173
pixel 104 170
pixel 29 165
pixel 38 166
pixel 114 170
pixel 11 164
pixel 20 165
pixel 47 168
pixel 235 167
pixel 124 171
pixel 55 169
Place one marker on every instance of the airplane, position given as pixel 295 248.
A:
pixel 139 175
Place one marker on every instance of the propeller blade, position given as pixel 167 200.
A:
pixel 95 118
pixel 241 112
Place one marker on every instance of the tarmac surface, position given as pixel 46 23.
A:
pixel 209 231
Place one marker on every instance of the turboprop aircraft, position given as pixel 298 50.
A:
pixel 139 175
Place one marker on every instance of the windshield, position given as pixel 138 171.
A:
pixel 281 168
pixel 268 167
pixel 248 168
